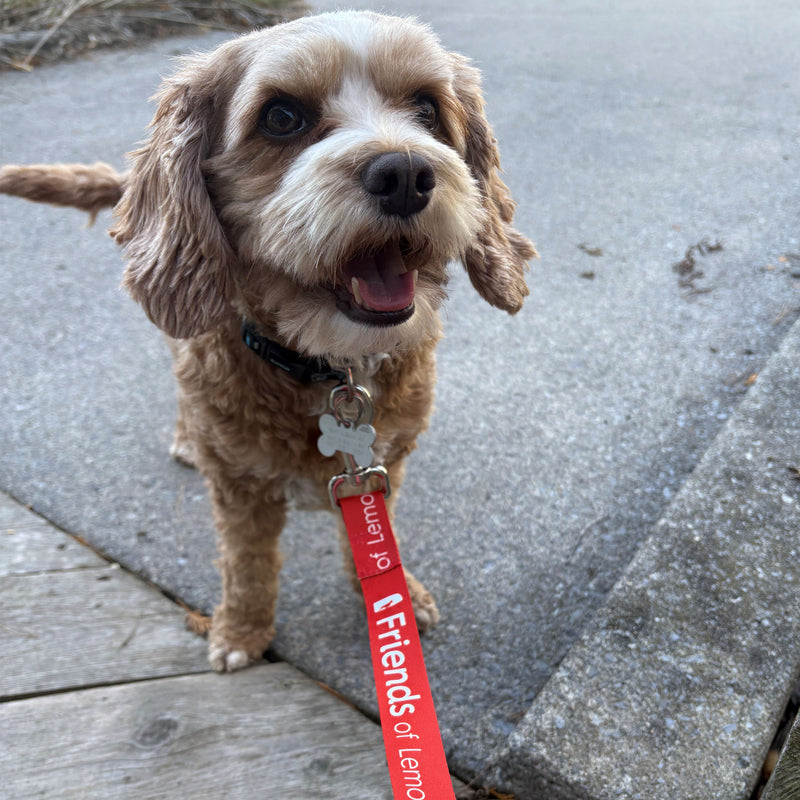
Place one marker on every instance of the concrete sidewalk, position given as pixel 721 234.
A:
pixel 573 503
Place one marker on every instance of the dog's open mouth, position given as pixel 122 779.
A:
pixel 377 288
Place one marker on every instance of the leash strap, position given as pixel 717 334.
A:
pixel 414 751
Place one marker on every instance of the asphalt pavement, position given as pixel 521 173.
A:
pixel 604 506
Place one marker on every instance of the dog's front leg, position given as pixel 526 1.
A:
pixel 249 520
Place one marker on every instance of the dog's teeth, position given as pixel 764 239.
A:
pixel 415 275
pixel 356 291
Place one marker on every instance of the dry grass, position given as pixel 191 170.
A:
pixel 35 31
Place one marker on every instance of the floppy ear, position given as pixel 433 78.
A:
pixel 496 262
pixel 179 262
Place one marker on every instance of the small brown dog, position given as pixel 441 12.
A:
pixel 313 179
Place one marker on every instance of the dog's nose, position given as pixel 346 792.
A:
pixel 403 182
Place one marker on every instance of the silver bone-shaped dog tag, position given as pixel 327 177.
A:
pixel 349 439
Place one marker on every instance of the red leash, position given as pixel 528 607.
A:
pixel 414 750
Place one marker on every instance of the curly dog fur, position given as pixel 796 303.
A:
pixel 315 178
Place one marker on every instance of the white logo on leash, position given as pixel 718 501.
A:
pixel 387 602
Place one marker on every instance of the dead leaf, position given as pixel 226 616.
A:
pixel 197 623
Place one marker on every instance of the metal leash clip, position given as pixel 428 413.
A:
pixel 347 429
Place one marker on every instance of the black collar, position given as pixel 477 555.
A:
pixel 301 368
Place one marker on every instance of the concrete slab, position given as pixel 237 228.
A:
pixel 784 783
pixel 561 435
pixel 678 686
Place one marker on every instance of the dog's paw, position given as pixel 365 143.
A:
pixel 224 660
pixel 231 652
pixel 425 611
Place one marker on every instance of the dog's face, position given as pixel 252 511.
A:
pixel 319 176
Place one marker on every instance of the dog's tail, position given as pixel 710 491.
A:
pixel 87 187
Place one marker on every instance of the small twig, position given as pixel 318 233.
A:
pixel 68 12
pixel 586 528
pixel 695 290
pixel 16 632
pixel 786 311
pixel 127 640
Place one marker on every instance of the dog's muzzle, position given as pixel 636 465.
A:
pixel 376 287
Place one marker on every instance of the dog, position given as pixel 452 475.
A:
pixel 314 180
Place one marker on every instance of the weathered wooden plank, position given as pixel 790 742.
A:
pixel 14 514
pixel 28 543
pixel 88 627
pixel 266 732
pixel 42 549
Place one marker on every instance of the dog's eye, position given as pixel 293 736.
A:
pixel 427 112
pixel 282 118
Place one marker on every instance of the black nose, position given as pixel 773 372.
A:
pixel 403 182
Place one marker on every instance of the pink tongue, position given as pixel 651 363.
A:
pixel 383 283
